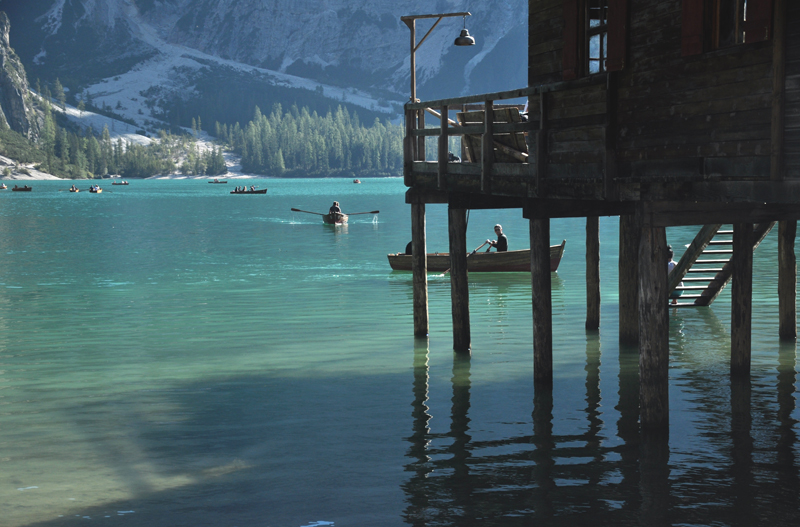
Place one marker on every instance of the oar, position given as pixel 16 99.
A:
pixel 470 254
pixel 308 212
pixel 354 213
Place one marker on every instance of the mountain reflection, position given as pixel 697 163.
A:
pixel 735 466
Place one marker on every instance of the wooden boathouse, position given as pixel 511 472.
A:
pixel 676 112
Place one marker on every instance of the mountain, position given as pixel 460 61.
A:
pixel 16 108
pixel 166 61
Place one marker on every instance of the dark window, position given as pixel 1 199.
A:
pixel 729 23
pixel 596 35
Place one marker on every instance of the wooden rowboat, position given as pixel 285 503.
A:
pixel 336 218
pixel 262 191
pixel 26 188
pixel 96 190
pixel 122 183
pixel 492 262
pixel 217 182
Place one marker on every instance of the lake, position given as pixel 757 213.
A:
pixel 171 355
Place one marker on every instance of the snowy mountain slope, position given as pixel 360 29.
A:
pixel 356 53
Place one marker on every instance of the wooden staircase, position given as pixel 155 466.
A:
pixel 705 267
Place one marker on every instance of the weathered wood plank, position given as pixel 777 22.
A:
pixel 459 287
pixel 541 302
pixel 741 299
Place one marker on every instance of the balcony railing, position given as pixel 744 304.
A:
pixel 569 134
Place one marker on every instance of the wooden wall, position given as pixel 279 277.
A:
pixel 792 126
pixel 703 115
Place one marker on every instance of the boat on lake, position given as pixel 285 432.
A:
pixel 334 218
pixel 262 191
pixel 3 186
pixel 488 262
pixel 120 183
pixel 95 190
pixel 217 181
pixel 356 181
pixel 26 188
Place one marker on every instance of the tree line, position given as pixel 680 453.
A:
pixel 299 142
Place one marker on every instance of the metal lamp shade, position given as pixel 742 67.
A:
pixel 464 39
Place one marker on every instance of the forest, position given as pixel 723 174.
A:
pixel 292 143
pixel 297 142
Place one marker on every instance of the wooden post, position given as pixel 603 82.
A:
pixel 541 301
pixel 443 147
pixel 421 139
pixel 629 238
pixel 592 273
pixel 610 187
pixel 541 142
pixel 419 269
pixel 778 129
pixel 741 298
pixel 459 290
pixel 653 329
pixel 409 145
pixel 487 147
pixel 787 280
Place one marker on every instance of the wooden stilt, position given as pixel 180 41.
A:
pixel 541 301
pixel 653 329
pixel 592 273
pixel 419 269
pixel 629 238
pixel 787 280
pixel 459 291
pixel 741 298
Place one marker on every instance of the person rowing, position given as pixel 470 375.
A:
pixel 501 243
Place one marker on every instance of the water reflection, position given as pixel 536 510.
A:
pixel 734 466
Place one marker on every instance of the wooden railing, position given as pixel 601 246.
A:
pixel 570 126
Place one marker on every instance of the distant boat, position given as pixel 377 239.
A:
pixel 120 183
pixel 356 181
pixel 262 191
pixel 497 262
pixel 3 186
pixel 97 190
pixel 74 190
pixel 217 181
pixel 26 188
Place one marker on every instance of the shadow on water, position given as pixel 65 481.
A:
pixel 743 473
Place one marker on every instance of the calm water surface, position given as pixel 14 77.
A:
pixel 171 354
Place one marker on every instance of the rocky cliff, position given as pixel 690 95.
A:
pixel 16 109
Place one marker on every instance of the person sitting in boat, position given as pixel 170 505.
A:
pixel 252 188
pixel 409 246
pixel 335 209
pixel 670 266
pixel 501 243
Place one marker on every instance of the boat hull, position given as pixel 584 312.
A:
pixel 334 219
pixel 22 189
pixel 491 262
pixel 262 191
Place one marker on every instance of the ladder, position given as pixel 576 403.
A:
pixel 705 268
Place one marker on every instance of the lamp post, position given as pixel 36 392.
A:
pixel 410 20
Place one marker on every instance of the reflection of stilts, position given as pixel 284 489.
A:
pixel 654 478
pixel 416 489
pixel 461 484
pixel 543 455
pixel 788 476
pixel 742 453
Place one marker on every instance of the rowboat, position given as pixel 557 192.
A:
pixel 335 218
pixel 491 262
pixel 96 190
pixel 120 183
pixel 74 190
pixel 3 186
pixel 356 181
pixel 26 188
pixel 217 181
pixel 262 191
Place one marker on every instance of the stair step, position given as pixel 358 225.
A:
pixel 721 242
pixel 691 287
pixel 697 279
pixel 708 270
pixel 712 261
pixel 718 251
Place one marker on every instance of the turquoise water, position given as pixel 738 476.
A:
pixel 171 354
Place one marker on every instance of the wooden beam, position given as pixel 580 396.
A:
pixel 443 149
pixel 670 213
pixel 419 269
pixel 741 299
pixel 611 167
pixel 787 281
pixel 592 273
pixel 459 288
pixel 629 239
pixel 541 145
pixel 487 147
pixel 777 133
pixel 653 329
pixel 541 301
